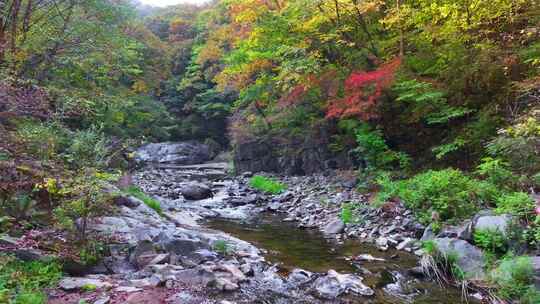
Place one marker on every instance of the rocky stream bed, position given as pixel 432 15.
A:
pixel 216 240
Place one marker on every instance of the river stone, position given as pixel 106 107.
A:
pixel 493 223
pixel 333 285
pixel 300 276
pixel 128 201
pixel 72 283
pixel 181 153
pixel 382 243
pixel 195 191
pixel 470 259
pixel 334 227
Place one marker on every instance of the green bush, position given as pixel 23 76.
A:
pixel 516 203
pixel 266 184
pixel 515 277
pixel 22 282
pixel 150 202
pixel 372 148
pixel 88 148
pixel 495 171
pixel 493 241
pixel 449 192
pixel 44 140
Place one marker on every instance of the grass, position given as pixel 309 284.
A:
pixel 222 247
pixel 23 282
pixel 515 279
pixel 150 202
pixel 267 185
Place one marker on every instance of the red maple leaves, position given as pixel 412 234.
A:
pixel 362 92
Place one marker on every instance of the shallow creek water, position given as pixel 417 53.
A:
pixel 291 247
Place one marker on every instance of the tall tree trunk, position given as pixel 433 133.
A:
pixel 401 38
pixel 14 20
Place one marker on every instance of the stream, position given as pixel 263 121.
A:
pixel 291 247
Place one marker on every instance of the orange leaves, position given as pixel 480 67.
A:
pixel 362 92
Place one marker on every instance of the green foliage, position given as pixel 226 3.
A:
pixel 515 278
pixel 266 184
pixel 450 193
pixel 495 171
pixel 346 213
pixel 22 282
pixel 150 202
pixel 88 148
pixel 429 247
pixel 44 140
pixel 516 203
pixel 373 149
pixel 493 241
pixel 222 247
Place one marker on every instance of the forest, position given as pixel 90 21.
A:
pixel 429 108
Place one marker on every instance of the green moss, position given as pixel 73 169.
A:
pixel 266 184
pixel 150 202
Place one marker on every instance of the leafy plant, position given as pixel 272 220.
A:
pixel 222 247
pixel 266 184
pixel 515 278
pixel 492 241
pixel 346 213
pixel 150 202
pixel 449 193
pixel 516 203
pixel 88 148
pixel 22 282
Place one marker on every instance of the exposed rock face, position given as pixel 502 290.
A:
pixel 470 259
pixel 301 156
pixel 181 153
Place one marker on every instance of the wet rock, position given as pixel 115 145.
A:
pixel 195 191
pixel 72 283
pixel 333 285
pixel 8 241
pixel 406 243
pixel 463 231
pixel 145 248
pixel 184 297
pixel 428 234
pixel 368 258
pixel 300 276
pixel 382 243
pixel 470 259
pixel 334 227
pixel 182 153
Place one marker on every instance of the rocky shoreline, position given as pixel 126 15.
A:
pixel 170 256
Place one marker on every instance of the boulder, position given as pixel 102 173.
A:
pixel 181 153
pixel 493 222
pixel 536 268
pixel 382 243
pixel 335 226
pixel 195 191
pixel 333 285
pixel 469 258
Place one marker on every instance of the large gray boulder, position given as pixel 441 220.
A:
pixel 195 191
pixel 180 153
pixel 469 258
pixel 492 222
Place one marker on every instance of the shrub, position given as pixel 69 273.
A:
pixel 22 282
pixel 266 184
pixel 372 148
pixel 150 202
pixel 493 241
pixel 514 277
pixel 516 203
pixel 449 192
pixel 88 148
pixel 45 140
pixel 496 172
